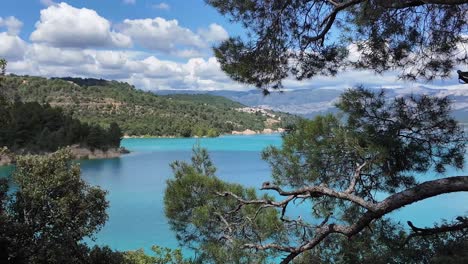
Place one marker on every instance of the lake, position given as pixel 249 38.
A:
pixel 136 183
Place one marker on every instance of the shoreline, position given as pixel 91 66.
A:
pixel 78 153
pixel 246 132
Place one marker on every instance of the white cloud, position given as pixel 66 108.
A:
pixel 187 53
pixel 62 25
pixel 206 69
pixel 12 24
pixel 146 71
pixel 169 37
pixel 69 41
pixel 156 68
pixel 46 55
pixel 111 59
pixel 47 2
pixel 160 34
pixel 79 42
pixel 12 48
pixel 162 6
pixel 129 2
pixel 214 33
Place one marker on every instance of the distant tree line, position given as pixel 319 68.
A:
pixel 33 128
pixel 84 81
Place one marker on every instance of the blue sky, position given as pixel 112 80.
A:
pixel 192 14
pixel 150 43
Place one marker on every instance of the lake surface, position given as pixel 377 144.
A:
pixel 136 183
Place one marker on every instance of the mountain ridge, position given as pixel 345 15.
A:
pixel 311 102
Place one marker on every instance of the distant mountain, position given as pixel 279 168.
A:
pixel 141 113
pixel 311 102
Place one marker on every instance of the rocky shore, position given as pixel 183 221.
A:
pixel 244 132
pixel 7 158
pixel 252 132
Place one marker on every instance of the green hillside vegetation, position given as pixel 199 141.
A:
pixel 137 112
pixel 212 100
pixel 34 128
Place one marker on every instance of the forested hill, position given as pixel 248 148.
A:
pixel 137 112
pixel 213 100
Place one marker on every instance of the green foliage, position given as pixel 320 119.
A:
pixel 104 255
pixel 161 256
pixel 385 243
pixel 212 100
pixel 421 39
pixel 395 140
pixel 45 218
pixel 3 64
pixel 195 206
pixel 137 112
pixel 412 133
pixel 52 210
pixel 31 127
pixel 301 159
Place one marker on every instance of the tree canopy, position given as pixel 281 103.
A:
pixel 31 127
pixel 420 39
pixel 350 172
pixel 51 211
pixel 34 128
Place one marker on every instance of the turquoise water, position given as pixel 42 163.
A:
pixel 136 183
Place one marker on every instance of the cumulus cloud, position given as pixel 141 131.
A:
pixel 47 55
pixel 209 69
pixel 69 41
pixel 214 33
pixel 196 74
pixel 62 25
pixel 162 6
pixel 160 34
pixel 187 53
pixel 12 48
pixel 168 37
pixel 12 24
pixel 111 59
pixel 146 71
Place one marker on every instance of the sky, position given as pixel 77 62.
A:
pixel 151 44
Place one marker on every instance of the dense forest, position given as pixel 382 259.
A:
pixel 32 127
pixel 138 112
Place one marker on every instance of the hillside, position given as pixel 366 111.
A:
pixel 312 102
pixel 213 100
pixel 137 112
